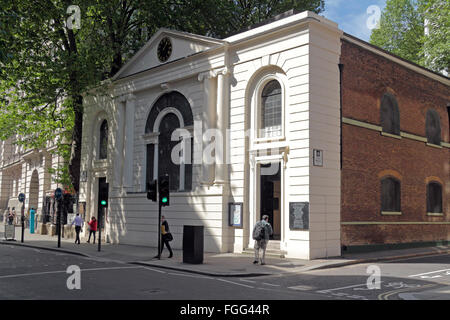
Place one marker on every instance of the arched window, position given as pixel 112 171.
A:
pixel 433 127
pixel 434 197
pixel 389 114
pixel 270 118
pixel 390 195
pixel 166 165
pixel 170 112
pixel 103 150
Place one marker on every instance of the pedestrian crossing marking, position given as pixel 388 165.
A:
pixel 302 288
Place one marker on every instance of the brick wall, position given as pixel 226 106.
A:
pixel 368 156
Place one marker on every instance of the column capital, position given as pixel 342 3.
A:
pixel 224 71
pixel 126 97
pixel 206 75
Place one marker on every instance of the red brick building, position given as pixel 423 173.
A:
pixel 395 149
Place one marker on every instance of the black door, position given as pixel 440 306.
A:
pixel 268 202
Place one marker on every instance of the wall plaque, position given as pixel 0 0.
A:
pixel 318 157
pixel 299 215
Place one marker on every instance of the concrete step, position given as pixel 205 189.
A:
pixel 269 252
pixel 273 245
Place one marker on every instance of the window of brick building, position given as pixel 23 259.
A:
pixel 433 127
pixel 390 195
pixel 434 197
pixel 389 114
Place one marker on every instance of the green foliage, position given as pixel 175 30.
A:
pixel 45 67
pixel 436 44
pixel 402 32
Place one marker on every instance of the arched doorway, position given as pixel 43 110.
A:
pixel 34 191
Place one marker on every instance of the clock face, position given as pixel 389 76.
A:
pixel 164 49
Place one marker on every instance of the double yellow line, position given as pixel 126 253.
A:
pixel 386 295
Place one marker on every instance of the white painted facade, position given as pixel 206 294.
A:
pixel 222 81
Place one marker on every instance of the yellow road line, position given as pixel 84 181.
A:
pixel 386 295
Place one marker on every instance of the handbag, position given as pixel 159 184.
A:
pixel 168 236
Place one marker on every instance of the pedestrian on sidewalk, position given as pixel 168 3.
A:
pixel 92 228
pixel 10 217
pixel 78 221
pixel 261 233
pixel 166 236
pixel 15 221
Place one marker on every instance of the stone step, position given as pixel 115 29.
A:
pixel 269 253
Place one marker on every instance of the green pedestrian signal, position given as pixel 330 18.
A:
pixel 103 203
pixel 164 190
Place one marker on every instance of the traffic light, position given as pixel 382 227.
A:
pixel 151 190
pixel 164 190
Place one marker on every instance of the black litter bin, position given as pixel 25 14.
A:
pixel 193 244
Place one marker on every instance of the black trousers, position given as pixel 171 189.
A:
pixel 165 242
pixel 90 233
pixel 77 230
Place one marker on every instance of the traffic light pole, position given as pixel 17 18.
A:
pixel 22 217
pixel 159 232
pixel 99 226
pixel 59 222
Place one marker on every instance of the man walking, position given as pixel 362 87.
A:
pixel 78 221
pixel 261 233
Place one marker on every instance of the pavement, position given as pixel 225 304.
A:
pixel 214 264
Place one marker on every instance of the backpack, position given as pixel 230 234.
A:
pixel 259 231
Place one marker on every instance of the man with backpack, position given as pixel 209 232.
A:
pixel 261 233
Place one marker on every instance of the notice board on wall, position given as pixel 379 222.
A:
pixel 235 210
pixel 299 215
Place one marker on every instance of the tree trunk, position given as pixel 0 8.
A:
pixel 75 155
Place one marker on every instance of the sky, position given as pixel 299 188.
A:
pixel 352 16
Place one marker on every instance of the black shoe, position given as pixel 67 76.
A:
pixel 170 256
pixel 255 262
pixel 263 263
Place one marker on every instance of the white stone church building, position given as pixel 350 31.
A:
pixel 271 93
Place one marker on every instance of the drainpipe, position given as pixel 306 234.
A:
pixel 341 69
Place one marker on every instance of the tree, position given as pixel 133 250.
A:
pixel 401 30
pixel 51 64
pixel 436 38
pixel 416 30
pixel 46 63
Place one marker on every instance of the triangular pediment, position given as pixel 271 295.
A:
pixel 183 45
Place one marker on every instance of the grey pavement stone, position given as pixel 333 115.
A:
pixel 225 264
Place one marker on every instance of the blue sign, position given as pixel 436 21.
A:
pixel 32 213
pixel 21 197
pixel 58 193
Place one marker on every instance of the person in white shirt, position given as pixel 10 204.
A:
pixel 78 221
